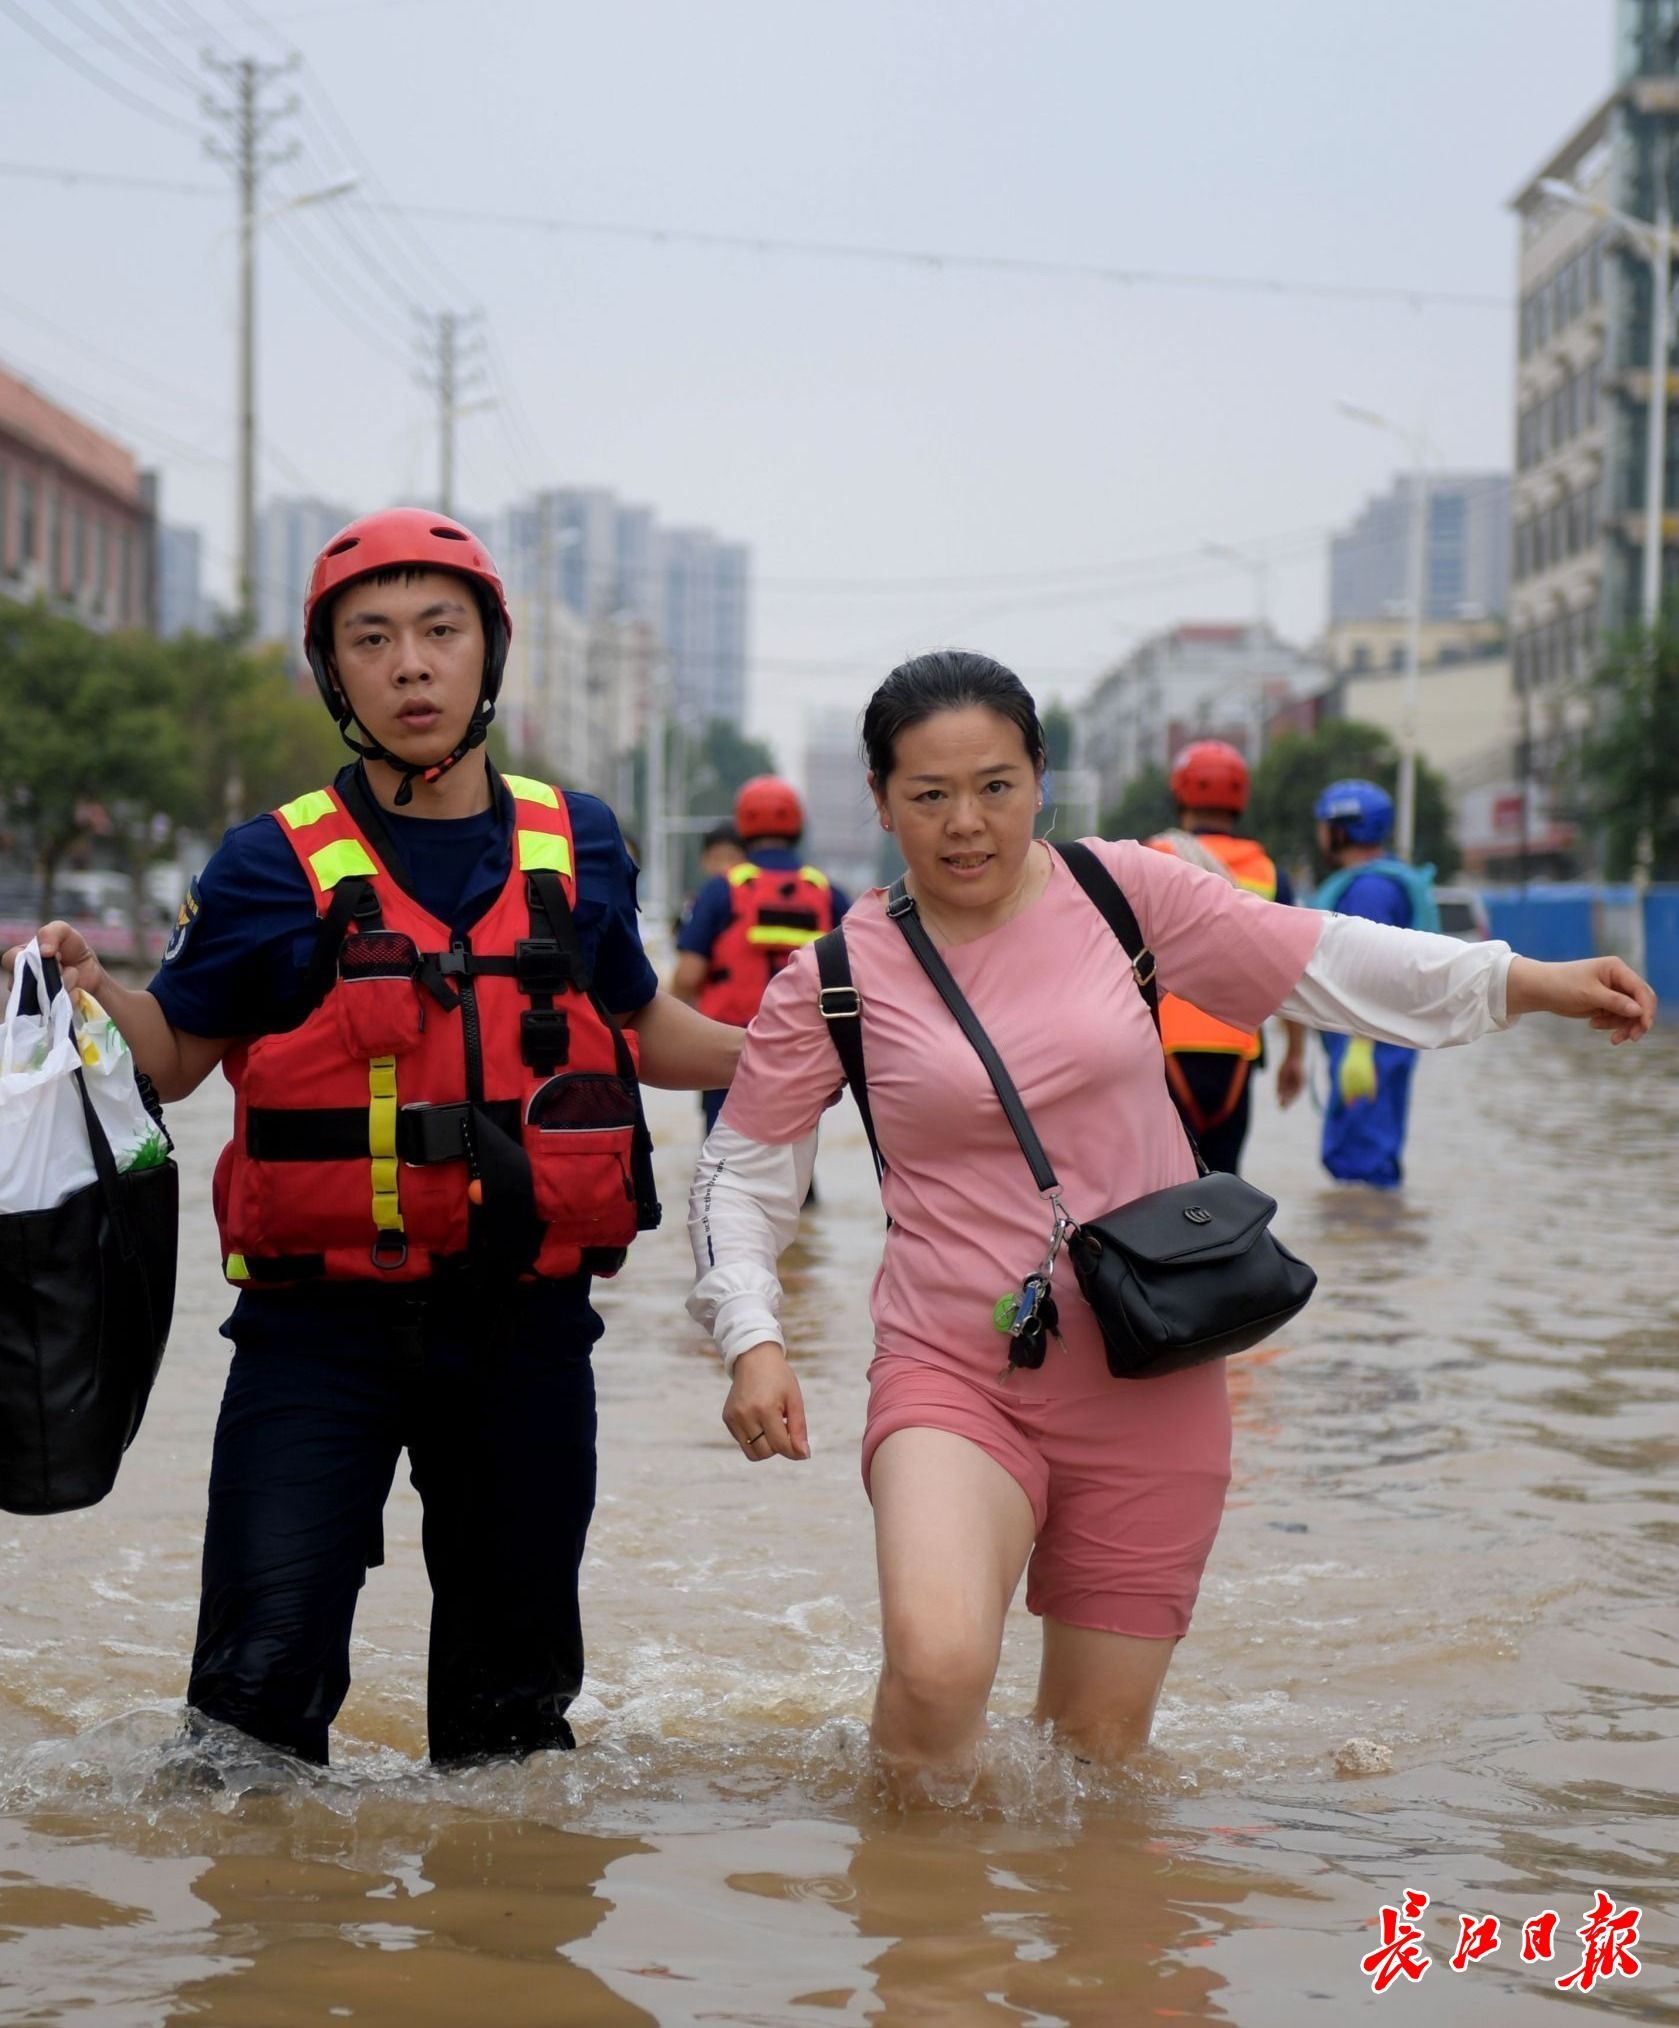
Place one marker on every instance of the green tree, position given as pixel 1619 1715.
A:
pixel 1058 736
pixel 1144 807
pixel 1296 767
pixel 1625 768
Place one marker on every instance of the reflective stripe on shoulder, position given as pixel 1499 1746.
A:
pixel 739 875
pixel 544 851
pixel 302 811
pixel 340 860
pixel 814 875
pixel 527 789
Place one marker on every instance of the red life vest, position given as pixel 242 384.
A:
pixel 447 1100
pixel 775 913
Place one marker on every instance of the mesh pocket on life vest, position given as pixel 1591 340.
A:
pixel 582 1102
pixel 377 998
pixel 378 954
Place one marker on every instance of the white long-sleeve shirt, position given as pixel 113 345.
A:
pixel 1364 978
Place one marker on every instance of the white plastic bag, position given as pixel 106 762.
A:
pixel 44 1152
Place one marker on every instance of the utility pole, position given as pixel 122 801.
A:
pixel 247 123
pixel 451 347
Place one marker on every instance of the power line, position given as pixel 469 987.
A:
pixel 659 235
pixel 1018 264
pixel 114 87
pixel 169 73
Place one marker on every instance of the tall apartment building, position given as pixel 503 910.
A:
pixel 78 517
pixel 609 559
pixel 291 533
pixel 1584 385
pixel 1466 551
pixel 181 606
pixel 1204 679
pixel 842 832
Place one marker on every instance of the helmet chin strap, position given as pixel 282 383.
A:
pixel 411 771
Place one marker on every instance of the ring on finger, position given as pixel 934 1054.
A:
pixel 747 1442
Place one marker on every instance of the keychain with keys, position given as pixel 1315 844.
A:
pixel 1031 1318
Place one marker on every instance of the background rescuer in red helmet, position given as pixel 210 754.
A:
pixel 1209 1064
pixel 747 923
pixel 426 986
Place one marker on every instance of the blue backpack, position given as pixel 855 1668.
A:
pixel 1417 881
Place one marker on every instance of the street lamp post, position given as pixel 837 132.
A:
pixel 1405 822
pixel 1253 690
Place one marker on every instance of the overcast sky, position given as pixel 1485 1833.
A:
pixel 1058 447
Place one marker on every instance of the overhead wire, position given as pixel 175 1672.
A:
pixel 113 87
pixel 169 73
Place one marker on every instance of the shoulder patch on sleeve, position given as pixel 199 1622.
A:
pixel 186 917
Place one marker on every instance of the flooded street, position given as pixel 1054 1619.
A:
pixel 1452 1536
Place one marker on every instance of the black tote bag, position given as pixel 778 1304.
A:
pixel 87 1291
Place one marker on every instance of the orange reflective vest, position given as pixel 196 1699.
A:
pixel 447 1101
pixel 1184 1029
pixel 775 914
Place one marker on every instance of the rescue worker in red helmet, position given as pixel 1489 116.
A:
pixel 425 984
pixel 747 923
pixel 1209 1064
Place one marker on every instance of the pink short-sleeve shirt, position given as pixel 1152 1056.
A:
pixel 1054 991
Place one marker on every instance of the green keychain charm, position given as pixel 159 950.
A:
pixel 1005 1310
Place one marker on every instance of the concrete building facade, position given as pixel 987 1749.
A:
pixel 181 605
pixel 1466 551
pixel 291 533
pixel 1584 384
pixel 1199 680
pixel 78 518
pixel 842 831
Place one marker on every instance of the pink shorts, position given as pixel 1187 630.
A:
pixel 1127 1485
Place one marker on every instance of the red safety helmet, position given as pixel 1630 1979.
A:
pixel 1210 776
pixel 392 539
pixel 768 807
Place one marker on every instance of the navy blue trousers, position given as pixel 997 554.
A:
pixel 493 1398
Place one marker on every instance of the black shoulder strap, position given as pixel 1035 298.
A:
pixel 901 908
pixel 1109 898
pixel 842 1009
pixel 356 897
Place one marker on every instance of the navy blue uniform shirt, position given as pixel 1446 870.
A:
pixel 246 933
pixel 714 905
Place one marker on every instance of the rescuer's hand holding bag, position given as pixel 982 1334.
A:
pixel 87 1248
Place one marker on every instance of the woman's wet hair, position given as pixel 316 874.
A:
pixel 949 679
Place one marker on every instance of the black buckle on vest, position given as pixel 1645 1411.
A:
pixel 427 1134
pixel 545 1039
pixel 541 966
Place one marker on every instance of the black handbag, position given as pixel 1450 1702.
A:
pixel 87 1291
pixel 1176 1277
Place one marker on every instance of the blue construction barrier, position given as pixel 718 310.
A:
pixel 1581 921
pixel 1661 941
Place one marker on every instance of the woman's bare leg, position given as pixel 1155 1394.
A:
pixel 1099 1690
pixel 953 1531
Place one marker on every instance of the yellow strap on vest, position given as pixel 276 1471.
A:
pixel 542 851
pixel 527 789
pixel 814 875
pixel 739 875
pixel 381 1142
pixel 235 1269
pixel 340 860
pixel 302 811
pixel 783 939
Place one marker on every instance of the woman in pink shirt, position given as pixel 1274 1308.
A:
pixel 1106 1494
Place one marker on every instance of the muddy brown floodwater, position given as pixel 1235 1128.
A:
pixel 1449 1561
